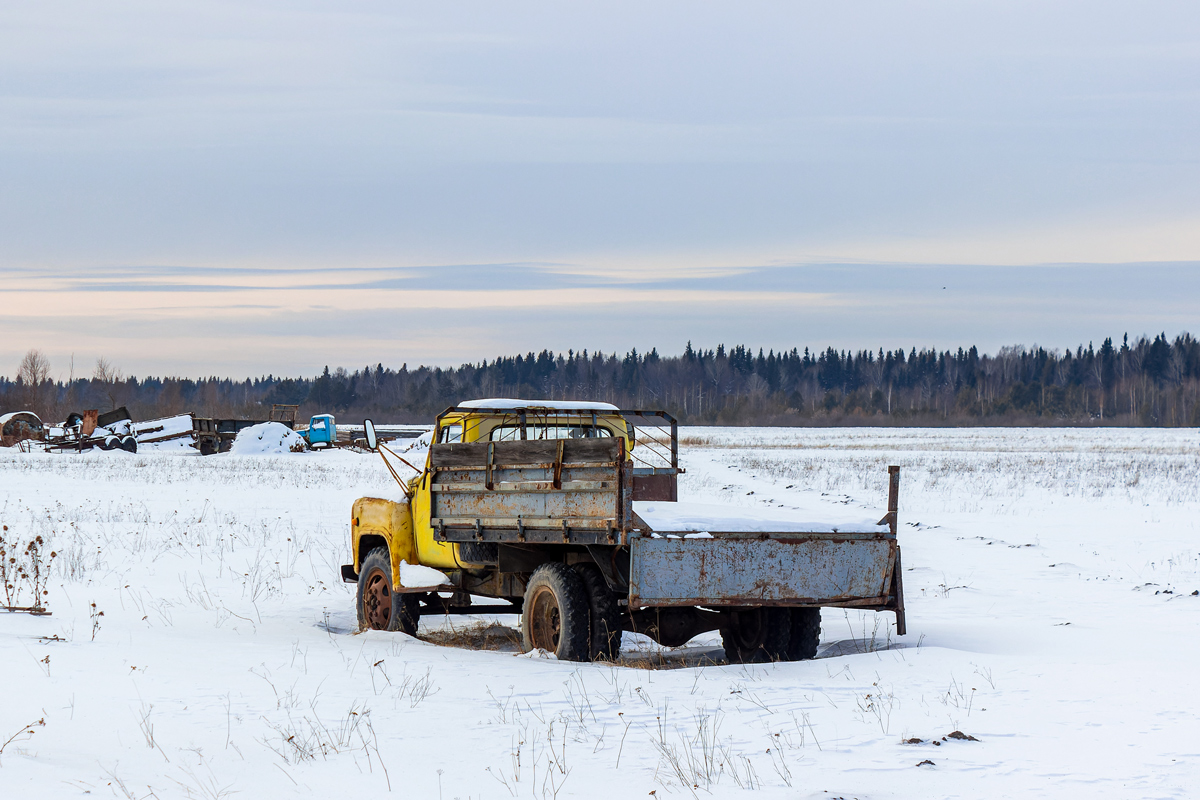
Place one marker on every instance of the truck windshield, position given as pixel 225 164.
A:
pixel 506 433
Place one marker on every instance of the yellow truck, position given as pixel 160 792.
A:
pixel 568 512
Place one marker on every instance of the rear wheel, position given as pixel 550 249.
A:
pixel 806 634
pixel 379 607
pixel 604 617
pixel 129 444
pixel 757 635
pixel 555 615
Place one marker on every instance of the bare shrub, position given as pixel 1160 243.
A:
pixel 24 733
pixel 310 738
pixel 24 568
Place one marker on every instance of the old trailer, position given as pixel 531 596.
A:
pixel 217 435
pixel 91 429
pixel 570 512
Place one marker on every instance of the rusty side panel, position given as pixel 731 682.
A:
pixel 779 569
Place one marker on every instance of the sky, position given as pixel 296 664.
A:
pixel 264 187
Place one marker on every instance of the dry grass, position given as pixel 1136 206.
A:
pixel 493 636
pixel 672 658
pixel 475 636
pixel 497 637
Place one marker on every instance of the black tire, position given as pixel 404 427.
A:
pixel 757 635
pixel 129 444
pixel 207 448
pixel 379 607
pixel 556 614
pixel 109 443
pixel 806 634
pixel 604 621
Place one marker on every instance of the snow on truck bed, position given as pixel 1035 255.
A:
pixel 705 517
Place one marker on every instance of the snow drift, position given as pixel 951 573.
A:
pixel 267 438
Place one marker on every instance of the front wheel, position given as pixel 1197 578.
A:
pixel 380 608
pixel 555 614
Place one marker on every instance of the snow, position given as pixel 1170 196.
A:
pixel 556 405
pixel 181 446
pixel 1048 574
pixel 266 438
pixel 539 653
pixel 812 516
pixel 419 446
pixel 414 576
pixel 120 428
pixel 180 425
pixel 6 417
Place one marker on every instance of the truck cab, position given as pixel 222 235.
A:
pixel 465 425
pixel 322 432
pixel 478 424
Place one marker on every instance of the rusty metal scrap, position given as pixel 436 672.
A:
pixel 20 426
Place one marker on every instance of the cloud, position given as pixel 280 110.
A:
pixel 392 174
pixel 294 328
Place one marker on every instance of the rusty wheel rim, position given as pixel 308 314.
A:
pixel 377 600
pixel 545 620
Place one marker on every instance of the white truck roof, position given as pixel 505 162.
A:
pixel 554 405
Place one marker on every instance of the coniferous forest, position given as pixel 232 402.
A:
pixel 1145 382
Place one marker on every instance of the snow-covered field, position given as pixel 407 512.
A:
pixel 1050 579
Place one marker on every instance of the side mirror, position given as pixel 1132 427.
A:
pixel 372 439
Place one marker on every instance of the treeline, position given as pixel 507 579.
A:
pixel 1149 382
